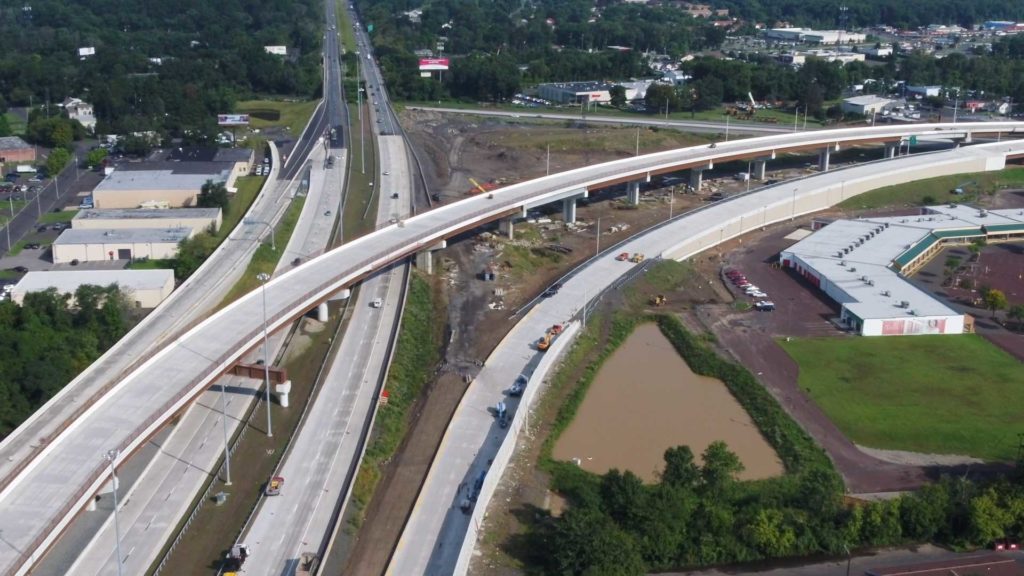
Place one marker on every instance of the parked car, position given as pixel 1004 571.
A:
pixel 757 295
pixel 765 306
pixel 518 386
pixel 19 269
pixel 32 246
pixel 1005 544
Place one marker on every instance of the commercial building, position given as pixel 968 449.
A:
pixel 587 92
pixel 99 245
pixel 196 219
pixel 863 264
pixel 808 36
pixel 798 59
pixel 145 288
pixel 923 91
pixel 241 159
pixel 175 184
pixel 865 105
pixel 14 149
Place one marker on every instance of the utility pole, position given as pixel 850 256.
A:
pixel 726 127
pixel 264 278
pixel 547 164
pixel 796 118
pixel 637 141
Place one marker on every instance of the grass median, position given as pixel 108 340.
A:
pixel 290 114
pixel 932 394
pixel 360 215
pixel 974 187
pixel 265 259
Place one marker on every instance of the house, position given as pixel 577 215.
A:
pixel 80 110
pixel 14 149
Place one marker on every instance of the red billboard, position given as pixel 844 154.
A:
pixel 433 64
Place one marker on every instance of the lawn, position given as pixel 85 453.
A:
pixel 938 190
pixel 278 113
pixel 17 123
pixel 54 217
pixel 348 36
pixel 932 394
pixel 248 187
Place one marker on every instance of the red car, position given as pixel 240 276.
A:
pixel 622 257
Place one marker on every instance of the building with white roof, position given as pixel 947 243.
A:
pixel 198 219
pixel 175 183
pixel 146 288
pixel 865 105
pixel 97 245
pixel 863 264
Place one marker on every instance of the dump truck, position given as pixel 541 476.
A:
pixel 236 558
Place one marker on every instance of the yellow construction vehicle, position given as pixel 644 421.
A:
pixel 658 300
pixel 637 258
pixel 545 342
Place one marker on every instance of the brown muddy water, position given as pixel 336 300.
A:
pixel 646 399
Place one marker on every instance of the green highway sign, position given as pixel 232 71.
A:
pixel 913 140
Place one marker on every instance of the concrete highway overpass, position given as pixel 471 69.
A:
pixel 42 492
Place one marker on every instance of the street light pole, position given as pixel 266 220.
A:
pixel 112 458
pixel 597 249
pixel 227 450
pixel 264 277
pixel 796 118
pixel 547 165
pixel 726 127
pixel 637 141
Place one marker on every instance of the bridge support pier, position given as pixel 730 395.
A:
pixel 759 165
pixel 321 312
pixel 696 179
pixel 890 149
pixel 425 258
pixel 282 390
pixel 633 192
pixel 505 228
pixel 569 210
pixel 823 158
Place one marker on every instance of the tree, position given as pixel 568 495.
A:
pixel 618 96
pixel 770 533
pixel 680 467
pixel 1016 314
pixel 5 126
pixel 57 160
pixel 720 467
pixel 995 300
pixel 658 96
pixel 61 135
pixel 585 541
pixel 710 92
pixel 213 195
pixel 95 157
pixel 989 519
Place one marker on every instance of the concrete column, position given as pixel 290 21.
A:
pixel 569 210
pixel 506 228
pixel 823 158
pixel 321 312
pixel 968 138
pixel 633 193
pixel 759 165
pixel 890 149
pixel 283 389
pixel 91 506
pixel 696 179
pixel 425 261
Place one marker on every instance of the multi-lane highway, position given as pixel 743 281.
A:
pixel 51 487
pixel 433 539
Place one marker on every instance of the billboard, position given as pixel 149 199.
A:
pixel 433 64
pixel 233 119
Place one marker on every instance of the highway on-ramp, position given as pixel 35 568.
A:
pixel 36 504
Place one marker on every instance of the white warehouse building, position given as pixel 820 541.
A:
pixel 145 288
pixel 862 265
pixel 96 245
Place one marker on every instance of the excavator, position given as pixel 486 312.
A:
pixel 545 341
pixel 479 188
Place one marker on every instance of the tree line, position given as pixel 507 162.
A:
pixel 46 342
pixel 860 13
pixel 699 514
pixel 210 55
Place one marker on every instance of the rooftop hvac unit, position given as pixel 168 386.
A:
pixel 912 312
pixel 904 304
pixel 842 263
pixel 853 269
pixel 871 282
pixel 864 278
pixel 904 221
pixel 886 224
pixel 982 214
pixel 839 254
pixel 886 293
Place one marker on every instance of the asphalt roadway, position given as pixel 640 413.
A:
pixel 320 461
pixel 186 459
pixel 71 467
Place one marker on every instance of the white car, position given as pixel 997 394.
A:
pixel 377 303
pixel 757 295
pixel 751 288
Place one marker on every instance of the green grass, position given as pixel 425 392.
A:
pixel 265 259
pixel 348 37
pixel 933 394
pixel 9 275
pixel 290 114
pixel 54 217
pixel 416 355
pixel 248 188
pixel 16 123
pixel 976 187
pixel 358 193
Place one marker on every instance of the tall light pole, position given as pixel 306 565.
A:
pixel 597 248
pixel 726 127
pixel 362 131
pixel 112 458
pixel 547 165
pixel 264 278
pixel 796 118
pixel 637 141
pixel 227 450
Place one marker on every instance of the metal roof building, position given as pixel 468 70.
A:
pixel 175 183
pixel 91 245
pixel 862 265
pixel 198 219
pixel 146 288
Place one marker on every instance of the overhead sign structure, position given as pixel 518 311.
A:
pixel 430 64
pixel 233 119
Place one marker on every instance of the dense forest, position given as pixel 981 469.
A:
pixel 500 47
pixel 164 66
pixel 903 14
pixel 46 343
